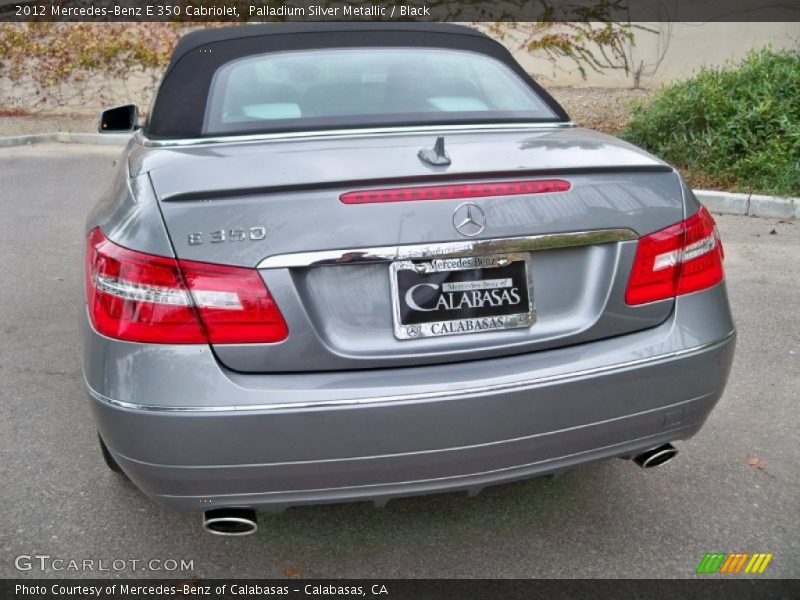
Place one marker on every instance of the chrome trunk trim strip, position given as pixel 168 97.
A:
pixel 142 139
pixel 385 254
pixel 419 397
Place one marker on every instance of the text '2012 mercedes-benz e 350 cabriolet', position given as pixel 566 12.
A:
pixel 359 261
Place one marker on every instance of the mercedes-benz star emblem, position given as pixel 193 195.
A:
pixel 469 219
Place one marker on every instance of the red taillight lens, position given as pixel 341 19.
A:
pixel 145 298
pixel 456 191
pixel 680 259
pixel 137 297
pixel 233 303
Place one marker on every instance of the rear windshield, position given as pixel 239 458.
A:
pixel 358 87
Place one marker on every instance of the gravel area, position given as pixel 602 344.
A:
pixel 604 109
pixel 41 123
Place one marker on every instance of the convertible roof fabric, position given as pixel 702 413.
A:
pixel 180 105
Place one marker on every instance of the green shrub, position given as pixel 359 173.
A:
pixel 736 126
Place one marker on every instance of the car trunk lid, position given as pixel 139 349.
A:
pixel 335 269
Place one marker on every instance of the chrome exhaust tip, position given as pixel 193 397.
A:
pixel 656 457
pixel 230 521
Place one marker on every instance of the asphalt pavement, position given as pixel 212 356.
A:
pixel 734 487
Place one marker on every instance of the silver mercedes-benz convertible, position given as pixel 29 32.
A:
pixel 359 261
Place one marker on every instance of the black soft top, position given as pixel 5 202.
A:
pixel 180 105
pixel 201 37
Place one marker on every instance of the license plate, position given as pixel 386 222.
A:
pixel 451 296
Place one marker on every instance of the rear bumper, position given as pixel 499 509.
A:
pixel 246 440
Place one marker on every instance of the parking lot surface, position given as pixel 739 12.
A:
pixel 734 487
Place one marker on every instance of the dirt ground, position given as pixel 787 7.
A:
pixel 44 123
pixel 604 109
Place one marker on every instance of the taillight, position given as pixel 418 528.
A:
pixel 233 303
pixel 145 298
pixel 683 258
pixel 456 191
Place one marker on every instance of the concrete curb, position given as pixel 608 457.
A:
pixel 719 202
pixel 753 205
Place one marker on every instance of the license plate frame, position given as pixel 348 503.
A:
pixel 502 265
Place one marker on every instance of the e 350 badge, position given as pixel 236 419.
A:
pixel 236 234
